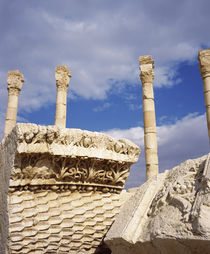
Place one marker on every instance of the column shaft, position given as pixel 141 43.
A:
pixel 60 114
pixel 204 59
pixel 206 88
pixel 150 139
pixel 15 81
pixel 62 76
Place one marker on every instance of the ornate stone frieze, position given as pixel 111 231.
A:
pixel 181 190
pixel 79 173
pixel 15 81
pixel 69 159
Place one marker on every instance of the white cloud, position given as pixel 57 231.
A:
pixel 103 107
pixel 185 139
pixel 99 42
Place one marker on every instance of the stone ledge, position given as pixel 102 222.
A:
pixel 32 138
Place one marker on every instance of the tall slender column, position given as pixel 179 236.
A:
pixel 204 59
pixel 62 76
pixel 15 81
pixel 150 139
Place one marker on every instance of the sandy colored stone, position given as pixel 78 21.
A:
pixel 170 213
pixel 15 80
pixel 64 188
pixel 204 59
pixel 62 76
pixel 150 139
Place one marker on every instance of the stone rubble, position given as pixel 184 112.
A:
pixel 171 211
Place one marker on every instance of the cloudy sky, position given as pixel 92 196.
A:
pixel 101 41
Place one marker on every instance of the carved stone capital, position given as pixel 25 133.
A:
pixel 147 76
pixel 62 76
pixel 146 68
pixel 15 81
pixel 204 59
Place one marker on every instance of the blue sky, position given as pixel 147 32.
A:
pixel 101 41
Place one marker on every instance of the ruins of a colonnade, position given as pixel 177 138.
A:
pixel 62 190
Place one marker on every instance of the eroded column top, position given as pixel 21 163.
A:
pixel 15 81
pixel 146 67
pixel 204 59
pixel 62 76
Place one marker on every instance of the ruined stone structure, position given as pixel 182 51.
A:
pixel 62 76
pixel 204 59
pixel 150 139
pixel 15 81
pixel 62 191
pixel 170 213
pixel 65 188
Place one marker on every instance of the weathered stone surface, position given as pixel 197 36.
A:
pixel 60 221
pixel 170 213
pixel 64 188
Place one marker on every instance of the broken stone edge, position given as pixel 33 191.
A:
pixel 159 217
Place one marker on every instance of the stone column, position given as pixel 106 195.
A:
pixel 150 139
pixel 62 76
pixel 204 59
pixel 15 81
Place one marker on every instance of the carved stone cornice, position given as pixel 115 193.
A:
pixel 204 59
pixel 74 142
pixel 71 159
pixel 146 68
pixel 15 81
pixel 36 171
pixel 62 76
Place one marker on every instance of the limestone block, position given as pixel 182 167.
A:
pixel 168 214
pixel 65 187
